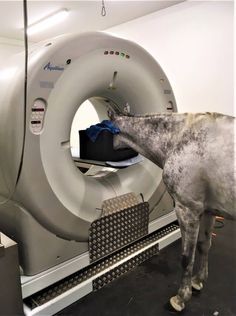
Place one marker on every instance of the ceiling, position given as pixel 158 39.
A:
pixel 83 15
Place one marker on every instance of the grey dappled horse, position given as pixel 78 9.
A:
pixel 196 153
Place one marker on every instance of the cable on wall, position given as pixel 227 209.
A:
pixel 25 11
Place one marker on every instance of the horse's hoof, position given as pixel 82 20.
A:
pixel 197 285
pixel 177 303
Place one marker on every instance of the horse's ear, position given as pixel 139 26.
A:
pixel 111 114
pixel 126 109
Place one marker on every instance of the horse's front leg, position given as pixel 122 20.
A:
pixel 189 225
pixel 203 246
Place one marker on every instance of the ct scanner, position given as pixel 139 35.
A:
pixel 51 208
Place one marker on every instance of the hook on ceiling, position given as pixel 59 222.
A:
pixel 103 12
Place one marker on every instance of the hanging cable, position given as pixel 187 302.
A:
pixel 103 13
pixel 25 18
pixel 25 10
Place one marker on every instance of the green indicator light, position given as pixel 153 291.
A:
pixel 122 55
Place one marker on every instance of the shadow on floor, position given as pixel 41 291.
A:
pixel 145 290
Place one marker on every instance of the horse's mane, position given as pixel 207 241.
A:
pixel 170 114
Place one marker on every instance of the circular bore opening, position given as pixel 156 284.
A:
pixel 90 112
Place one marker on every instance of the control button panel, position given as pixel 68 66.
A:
pixel 37 116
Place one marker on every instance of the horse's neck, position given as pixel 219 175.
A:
pixel 152 135
pixel 161 127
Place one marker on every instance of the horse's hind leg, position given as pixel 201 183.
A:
pixel 189 225
pixel 203 246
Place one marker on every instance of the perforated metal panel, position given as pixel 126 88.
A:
pixel 119 203
pixel 44 296
pixel 125 267
pixel 114 231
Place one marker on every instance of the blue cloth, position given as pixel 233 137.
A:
pixel 106 125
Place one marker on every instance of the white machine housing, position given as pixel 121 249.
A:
pixel 51 209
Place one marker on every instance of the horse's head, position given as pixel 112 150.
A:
pixel 120 119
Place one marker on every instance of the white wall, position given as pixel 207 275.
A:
pixel 193 43
pixel 85 116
